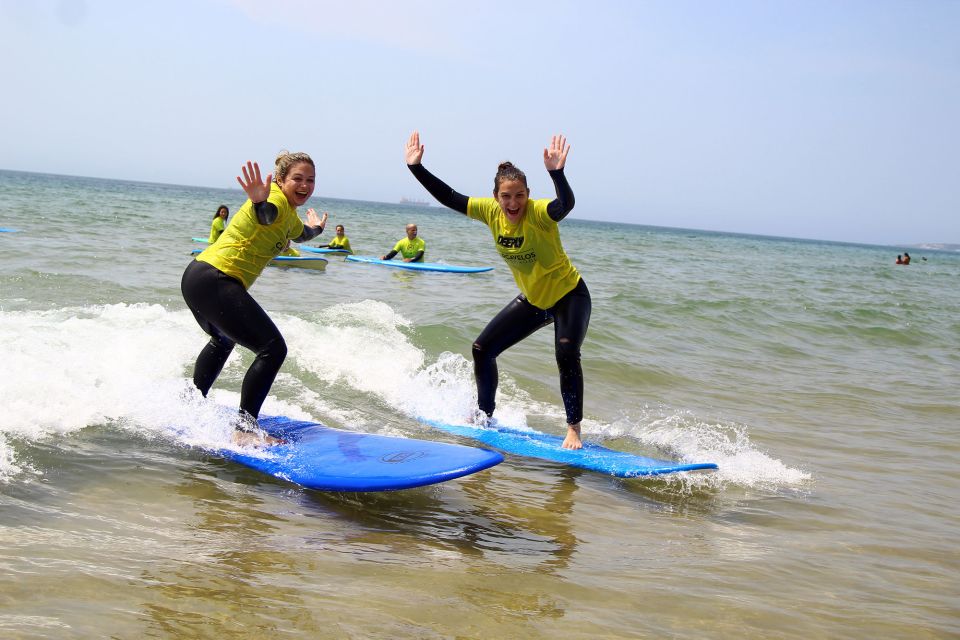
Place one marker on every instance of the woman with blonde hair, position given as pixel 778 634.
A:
pixel 215 285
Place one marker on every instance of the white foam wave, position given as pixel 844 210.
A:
pixel 122 365
pixel 369 347
pixel 381 359
pixel 682 435
pixel 129 366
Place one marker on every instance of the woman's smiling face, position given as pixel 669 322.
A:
pixel 298 184
pixel 512 197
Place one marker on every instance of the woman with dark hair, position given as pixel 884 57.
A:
pixel 219 223
pixel 527 237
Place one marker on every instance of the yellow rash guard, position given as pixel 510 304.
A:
pixel 216 229
pixel 531 248
pixel 409 248
pixel 337 243
pixel 246 246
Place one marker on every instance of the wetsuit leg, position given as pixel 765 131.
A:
pixel 515 322
pixel 571 319
pixel 200 284
pixel 230 315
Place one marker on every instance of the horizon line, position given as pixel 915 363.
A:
pixel 919 245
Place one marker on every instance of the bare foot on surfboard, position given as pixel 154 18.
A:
pixel 572 441
pixel 479 419
pixel 248 433
pixel 253 439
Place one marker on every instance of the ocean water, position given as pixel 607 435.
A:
pixel 820 377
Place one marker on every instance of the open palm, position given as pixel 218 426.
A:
pixel 256 189
pixel 555 156
pixel 414 150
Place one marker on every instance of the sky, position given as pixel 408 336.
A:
pixel 819 119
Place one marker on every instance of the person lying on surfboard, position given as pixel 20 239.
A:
pixel 411 248
pixel 215 285
pixel 527 237
pixel 339 241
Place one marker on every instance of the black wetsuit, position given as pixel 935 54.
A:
pixel 570 315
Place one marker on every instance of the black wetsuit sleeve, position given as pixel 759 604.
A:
pixel 439 189
pixel 390 255
pixel 309 233
pixel 418 257
pixel 266 212
pixel 559 208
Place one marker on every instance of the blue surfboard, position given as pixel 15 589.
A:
pixel 6 230
pixel 204 240
pixel 304 247
pixel 320 457
pixel 535 444
pixel 419 266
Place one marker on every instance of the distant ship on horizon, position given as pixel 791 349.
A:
pixel 412 202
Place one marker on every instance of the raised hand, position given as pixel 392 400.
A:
pixel 555 156
pixel 256 190
pixel 316 221
pixel 414 152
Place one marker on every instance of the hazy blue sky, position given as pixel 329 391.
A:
pixel 835 119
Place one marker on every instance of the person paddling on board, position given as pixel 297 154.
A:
pixel 527 237
pixel 215 285
pixel 411 248
pixel 219 223
pixel 339 241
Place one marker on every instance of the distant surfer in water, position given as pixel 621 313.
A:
pixel 339 241
pixel 215 285
pixel 551 290
pixel 219 223
pixel 412 248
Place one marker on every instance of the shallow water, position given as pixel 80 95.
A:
pixel 819 376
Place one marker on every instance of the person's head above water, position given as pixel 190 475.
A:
pixel 296 176
pixel 222 212
pixel 411 231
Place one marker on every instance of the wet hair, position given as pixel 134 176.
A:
pixel 222 207
pixel 506 171
pixel 286 160
pixel 338 227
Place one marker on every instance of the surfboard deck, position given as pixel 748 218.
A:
pixel 593 457
pixel 8 230
pixel 308 249
pixel 419 266
pixel 320 457
pixel 300 262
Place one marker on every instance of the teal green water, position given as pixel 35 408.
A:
pixel 821 378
